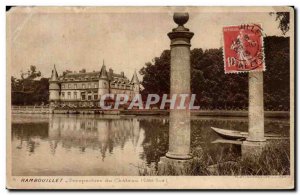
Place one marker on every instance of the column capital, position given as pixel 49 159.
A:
pixel 180 35
pixel 180 38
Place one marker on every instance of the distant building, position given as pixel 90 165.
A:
pixel 84 89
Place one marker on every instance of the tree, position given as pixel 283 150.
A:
pixel 31 74
pixel 284 21
pixel 28 90
pixel 277 75
pixel 216 90
pixel 157 75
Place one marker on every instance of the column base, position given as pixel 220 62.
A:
pixel 252 149
pixel 178 157
pixel 171 166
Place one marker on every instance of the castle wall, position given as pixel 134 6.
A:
pixel 80 85
pixel 53 95
pixel 87 89
pixel 136 89
pixel 103 87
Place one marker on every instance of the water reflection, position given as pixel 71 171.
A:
pixel 104 134
pixel 109 145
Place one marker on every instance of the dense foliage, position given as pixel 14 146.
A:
pixel 30 89
pixel 216 90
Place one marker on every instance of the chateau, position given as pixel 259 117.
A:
pixel 84 89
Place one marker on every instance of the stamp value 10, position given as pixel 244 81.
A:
pixel 243 48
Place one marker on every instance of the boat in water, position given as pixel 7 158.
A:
pixel 240 135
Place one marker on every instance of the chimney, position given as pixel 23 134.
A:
pixel 122 74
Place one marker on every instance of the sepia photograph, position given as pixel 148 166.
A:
pixel 150 97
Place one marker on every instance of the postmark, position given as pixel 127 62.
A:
pixel 243 48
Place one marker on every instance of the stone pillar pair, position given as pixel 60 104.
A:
pixel 180 125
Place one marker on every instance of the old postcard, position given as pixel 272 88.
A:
pixel 150 98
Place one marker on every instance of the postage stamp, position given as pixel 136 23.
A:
pixel 243 48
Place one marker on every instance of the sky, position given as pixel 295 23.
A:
pixel 77 38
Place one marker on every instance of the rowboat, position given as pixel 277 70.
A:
pixel 234 135
pixel 230 134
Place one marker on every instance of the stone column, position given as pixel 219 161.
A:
pixel 179 127
pixel 255 143
pixel 256 107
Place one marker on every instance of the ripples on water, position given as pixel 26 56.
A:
pixel 110 145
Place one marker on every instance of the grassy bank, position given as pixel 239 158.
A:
pixel 274 160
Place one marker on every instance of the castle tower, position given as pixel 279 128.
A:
pixel 54 88
pixel 136 83
pixel 103 82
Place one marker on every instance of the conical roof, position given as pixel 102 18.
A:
pixel 135 78
pixel 54 75
pixel 103 73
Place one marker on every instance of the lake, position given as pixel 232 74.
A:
pixel 95 145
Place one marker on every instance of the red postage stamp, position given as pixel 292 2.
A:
pixel 243 48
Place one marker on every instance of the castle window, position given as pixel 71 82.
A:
pixel 95 97
pixel 62 86
pixel 75 86
pixel 83 86
pixel 69 86
pixel 63 95
pixel 95 85
pixel 89 86
pixel 82 96
pixel 75 95
pixel 69 95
